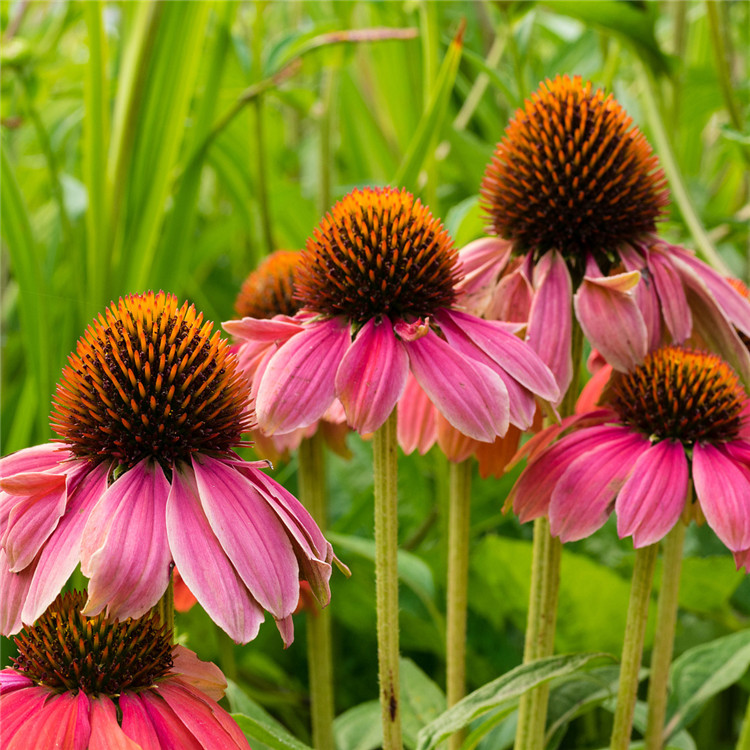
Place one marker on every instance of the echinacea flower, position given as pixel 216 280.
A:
pixel 575 192
pixel 377 288
pixel 268 293
pixel 143 477
pixel 98 683
pixel 680 416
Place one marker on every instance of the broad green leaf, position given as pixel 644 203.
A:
pixel 501 694
pixel 268 734
pixel 422 701
pixel 359 728
pixel 702 672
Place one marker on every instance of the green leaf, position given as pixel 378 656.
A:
pixel 359 728
pixel 269 734
pixel 501 694
pixel 422 701
pixel 702 672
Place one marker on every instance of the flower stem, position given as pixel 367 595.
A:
pixel 632 647
pixel 459 515
pixel 312 492
pixel 385 468
pixel 165 608
pixel 666 618
pixel 744 741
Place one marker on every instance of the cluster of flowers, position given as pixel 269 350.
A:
pixel 380 311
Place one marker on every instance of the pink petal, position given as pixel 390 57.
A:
pixel 137 724
pixel 62 723
pixel 653 498
pixel 612 322
pixel 44 457
pixel 582 500
pixel 481 263
pixel 274 330
pixel 674 306
pixel 61 553
pixel 251 535
pixel 455 445
pixel 645 293
pixel 169 728
pixel 591 393
pixel 416 419
pixel 204 675
pixel 10 681
pixel 106 733
pixel 532 493
pixel 469 394
pixel 125 552
pixel 13 590
pixel 492 339
pixel 372 375
pixel 722 486
pixel 742 559
pixel 204 565
pixel 298 384
pixel 19 706
pixel 550 318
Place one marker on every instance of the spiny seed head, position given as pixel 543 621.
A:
pixel 574 174
pixel 682 394
pixel 378 252
pixel 67 652
pixel 148 378
pixel 745 292
pixel 269 289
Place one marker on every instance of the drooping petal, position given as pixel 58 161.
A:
pixel 38 458
pixel 511 299
pixel 550 317
pixel 298 385
pixel 203 563
pixel 137 724
pixel 469 394
pixel 481 262
pixel 57 725
pixel 268 330
pixel 19 706
pixel 652 499
pixel 611 320
pixel 493 339
pixel 125 553
pixel 204 675
pixel 250 533
pixel 591 393
pixel 13 590
pixel 723 490
pixel 416 419
pixel 582 500
pixel 455 445
pixel 169 728
pixel 672 299
pixel 646 296
pixel 106 733
pixel 493 458
pixel 372 375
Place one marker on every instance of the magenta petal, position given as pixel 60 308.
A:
pixel 57 725
pixel 550 317
pixel 106 733
pixel 582 500
pixel 136 722
pixel 298 385
pixel 170 729
pixel 672 297
pixel 44 457
pixel 653 498
pixel 372 375
pixel 612 322
pixel 17 707
pixel 203 563
pixel 416 419
pixel 125 552
pixel 250 533
pixel 467 393
pixel 270 330
pixel 723 489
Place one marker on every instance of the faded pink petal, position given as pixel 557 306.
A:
pixel 455 445
pixel 674 306
pixel 298 384
pixel 106 733
pixel 13 591
pixel 204 565
pixel 416 419
pixel 652 500
pixel 203 675
pixel 645 293
pixel 469 394
pixel 274 330
pixel 481 263
pixel 511 299
pixel 612 322
pixel 582 500
pixel 723 490
pixel 125 553
pixel 550 318
pixel 372 375
pixel 250 533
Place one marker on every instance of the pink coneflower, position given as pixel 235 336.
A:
pixel 376 284
pixel 680 415
pixel 574 191
pixel 143 477
pixel 82 682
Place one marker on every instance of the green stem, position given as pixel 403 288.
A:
pixel 744 741
pixel 632 648
pixel 165 608
pixel 674 176
pixel 459 515
pixel 385 468
pixel 666 619
pixel 312 493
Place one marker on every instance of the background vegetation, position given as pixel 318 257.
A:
pixel 172 145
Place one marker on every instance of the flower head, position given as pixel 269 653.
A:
pixel 269 289
pixel 680 415
pixel 575 192
pixel 95 682
pixel 143 477
pixel 377 284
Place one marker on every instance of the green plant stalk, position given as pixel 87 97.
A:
pixel 165 608
pixel 674 176
pixel 666 619
pixel 459 518
pixel 632 648
pixel 744 741
pixel 385 469
pixel 312 493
